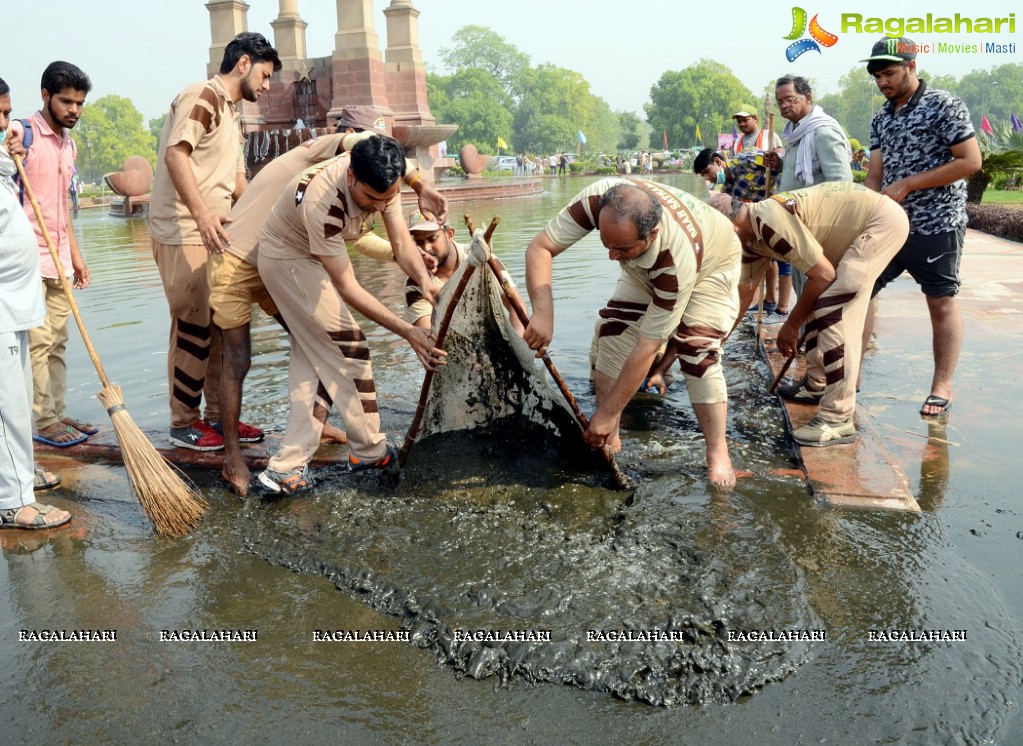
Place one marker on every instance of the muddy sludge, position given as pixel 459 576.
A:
pixel 469 542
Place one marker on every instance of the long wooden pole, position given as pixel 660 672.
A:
pixel 519 308
pixel 767 190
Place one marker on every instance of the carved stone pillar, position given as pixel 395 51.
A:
pixel 406 74
pixel 228 18
pixel 358 65
pixel 289 35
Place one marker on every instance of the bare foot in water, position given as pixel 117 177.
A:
pixel 331 434
pixel 720 475
pixel 237 476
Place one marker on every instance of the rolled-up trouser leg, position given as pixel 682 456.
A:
pixel 836 324
pixel 709 315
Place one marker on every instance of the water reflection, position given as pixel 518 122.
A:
pixel 566 558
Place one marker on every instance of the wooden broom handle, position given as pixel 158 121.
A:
pixel 519 308
pixel 60 272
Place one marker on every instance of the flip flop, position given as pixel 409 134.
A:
pixel 935 401
pixel 83 427
pixel 61 443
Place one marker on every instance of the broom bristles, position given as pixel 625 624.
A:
pixel 173 506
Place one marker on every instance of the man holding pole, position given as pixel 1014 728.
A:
pixel 21 309
pixel 680 265
pixel 303 260
pixel 841 236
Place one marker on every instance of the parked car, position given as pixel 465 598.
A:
pixel 509 163
pixel 505 163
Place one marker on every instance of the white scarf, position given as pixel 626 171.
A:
pixel 803 136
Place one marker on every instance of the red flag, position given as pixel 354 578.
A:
pixel 665 139
pixel 986 127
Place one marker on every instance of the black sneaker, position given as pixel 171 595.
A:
pixel 198 436
pixel 389 458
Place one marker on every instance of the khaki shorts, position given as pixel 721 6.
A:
pixel 234 286
pixel 617 330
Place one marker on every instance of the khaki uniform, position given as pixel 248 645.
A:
pixel 416 306
pixel 204 117
pixel 234 281
pixel 859 231
pixel 235 284
pixel 313 218
pixel 683 286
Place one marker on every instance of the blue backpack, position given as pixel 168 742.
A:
pixel 26 142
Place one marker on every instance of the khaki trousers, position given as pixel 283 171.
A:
pixel 328 348
pixel 193 356
pixel 47 346
pixel 834 330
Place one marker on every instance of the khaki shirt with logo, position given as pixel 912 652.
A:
pixel 802 225
pixel 694 242
pixel 316 214
pixel 204 117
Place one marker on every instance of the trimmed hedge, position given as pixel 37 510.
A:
pixel 998 220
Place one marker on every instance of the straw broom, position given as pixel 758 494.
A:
pixel 173 506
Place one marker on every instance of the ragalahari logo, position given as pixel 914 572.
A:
pixel 817 36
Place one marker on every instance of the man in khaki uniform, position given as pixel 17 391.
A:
pixel 304 263
pixel 235 284
pixel 199 175
pixel 842 236
pixel 680 265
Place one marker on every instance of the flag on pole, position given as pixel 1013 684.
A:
pixel 735 133
pixel 699 137
pixel 1016 126
pixel 582 137
pixel 501 143
pixel 666 138
pixel 986 127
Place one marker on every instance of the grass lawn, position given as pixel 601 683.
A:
pixel 1001 197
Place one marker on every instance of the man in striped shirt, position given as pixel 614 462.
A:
pixel 680 267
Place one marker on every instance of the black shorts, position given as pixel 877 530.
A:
pixel 933 261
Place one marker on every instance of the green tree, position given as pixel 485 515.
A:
pixel 628 127
pixel 110 130
pixel 485 49
pixel 704 94
pixel 156 126
pixel 474 100
pixel 1003 154
pixel 996 94
pixel 556 105
pixel 855 103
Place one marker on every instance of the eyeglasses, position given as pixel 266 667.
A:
pixel 791 100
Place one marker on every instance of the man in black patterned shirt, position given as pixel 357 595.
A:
pixel 922 148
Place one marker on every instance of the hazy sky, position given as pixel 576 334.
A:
pixel 147 50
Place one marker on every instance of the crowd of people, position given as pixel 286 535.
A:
pixel 690 267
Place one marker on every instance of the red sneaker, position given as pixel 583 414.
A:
pixel 198 436
pixel 246 433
